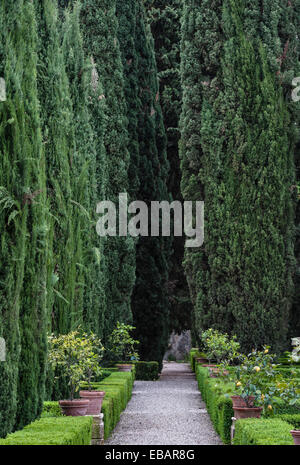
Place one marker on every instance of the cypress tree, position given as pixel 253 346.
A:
pixel 24 227
pixel 164 18
pixel 150 304
pixel 243 158
pixel 100 27
pixel 87 184
pixel 64 262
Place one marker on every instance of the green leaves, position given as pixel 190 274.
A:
pixel 122 345
pixel 78 355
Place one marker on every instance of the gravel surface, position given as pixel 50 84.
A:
pixel 166 412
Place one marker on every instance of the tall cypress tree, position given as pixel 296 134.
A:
pixel 164 18
pixel 99 24
pixel 64 262
pixel 148 143
pixel 23 222
pixel 242 159
pixel 85 96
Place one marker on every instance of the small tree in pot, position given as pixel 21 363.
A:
pixel 219 347
pixel 256 379
pixel 122 346
pixel 74 354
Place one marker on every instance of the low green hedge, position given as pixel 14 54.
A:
pixel 68 431
pixel 194 353
pixel 118 390
pixel 147 371
pixel 51 409
pixel 293 419
pixel 261 432
pixel 216 395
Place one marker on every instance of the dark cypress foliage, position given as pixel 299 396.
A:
pixel 164 18
pixel 200 60
pixel 59 141
pixel 150 301
pixel 243 158
pixel 87 186
pixel 23 222
pixel 99 23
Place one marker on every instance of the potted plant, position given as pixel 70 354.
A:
pixel 70 353
pixel 218 347
pixel 122 346
pixel 255 379
pixel 94 353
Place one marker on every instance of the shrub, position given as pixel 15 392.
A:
pixel 147 371
pixel 293 419
pixel 51 409
pixel 219 346
pixel 75 431
pixel 258 432
pixel 215 393
pixel 195 353
pixel 118 389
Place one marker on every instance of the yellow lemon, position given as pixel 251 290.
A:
pixel 257 369
pixel 270 407
pixel 262 397
pixel 238 384
pixel 266 351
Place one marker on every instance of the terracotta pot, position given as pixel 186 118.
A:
pixel 74 408
pixel 207 365
pixel 124 367
pixel 296 437
pixel 238 401
pixel 247 412
pixel 95 401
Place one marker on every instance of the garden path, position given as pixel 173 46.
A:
pixel 166 412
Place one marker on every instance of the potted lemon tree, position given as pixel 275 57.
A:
pixel 219 347
pixel 256 382
pixel 122 347
pixel 74 355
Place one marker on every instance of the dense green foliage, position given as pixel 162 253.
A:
pixel 260 432
pixel 146 371
pixel 100 31
pixel 99 95
pixel 118 390
pixel 164 19
pixel 150 304
pixel 23 220
pixel 237 152
pixel 63 431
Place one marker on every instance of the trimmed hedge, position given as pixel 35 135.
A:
pixel 147 371
pixel 194 353
pixel 118 388
pixel 68 431
pixel 260 432
pixel 216 395
pixel 293 420
pixel 51 409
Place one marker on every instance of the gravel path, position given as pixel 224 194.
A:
pixel 166 412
